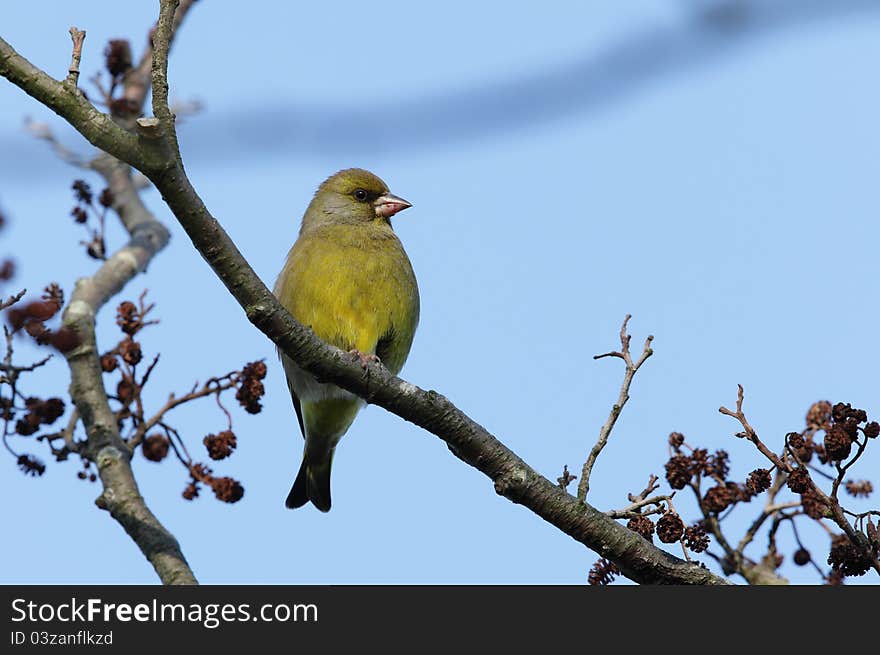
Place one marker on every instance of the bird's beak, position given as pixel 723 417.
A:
pixel 387 205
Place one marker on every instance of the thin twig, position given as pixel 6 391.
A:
pixel 767 512
pixel 800 544
pixel 630 510
pixel 749 431
pixel 11 300
pixel 11 369
pixel 213 386
pixel 623 396
pixel 77 36
pixel 816 469
pixel 841 470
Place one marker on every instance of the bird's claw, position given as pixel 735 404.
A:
pixel 365 360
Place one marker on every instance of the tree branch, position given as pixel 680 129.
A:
pixel 161 47
pixel 105 446
pixel 77 36
pixel 605 431
pixel 633 509
pixel 214 386
pixel 137 80
pixel 750 434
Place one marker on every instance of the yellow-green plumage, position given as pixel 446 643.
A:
pixel 348 278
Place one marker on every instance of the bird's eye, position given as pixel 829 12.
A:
pixel 360 195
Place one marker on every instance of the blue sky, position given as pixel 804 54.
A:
pixel 568 163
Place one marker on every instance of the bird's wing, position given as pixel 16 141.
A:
pixel 298 407
pixel 289 368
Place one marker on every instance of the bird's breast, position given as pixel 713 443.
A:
pixel 353 292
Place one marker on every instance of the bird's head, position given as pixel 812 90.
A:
pixel 353 196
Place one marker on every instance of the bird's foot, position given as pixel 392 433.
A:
pixel 365 360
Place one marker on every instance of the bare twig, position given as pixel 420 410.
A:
pixel 815 469
pixel 861 515
pixel 70 445
pixel 77 36
pixel 641 500
pixel 14 370
pixel 149 370
pixel 749 431
pixel 623 396
pixel 633 509
pixel 11 300
pixel 800 544
pixel 137 80
pixel 216 385
pixel 649 488
pixel 106 95
pixel 68 432
pixel 772 492
pixel 768 511
pixel 841 470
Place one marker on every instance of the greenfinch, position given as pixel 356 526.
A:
pixel 348 278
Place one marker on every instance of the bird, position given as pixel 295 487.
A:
pixel 348 278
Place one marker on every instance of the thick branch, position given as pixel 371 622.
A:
pixel 105 446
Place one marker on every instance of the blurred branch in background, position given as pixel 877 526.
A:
pixel 708 31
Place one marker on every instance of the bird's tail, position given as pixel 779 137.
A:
pixel 312 482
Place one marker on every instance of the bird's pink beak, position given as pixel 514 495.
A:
pixel 387 205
